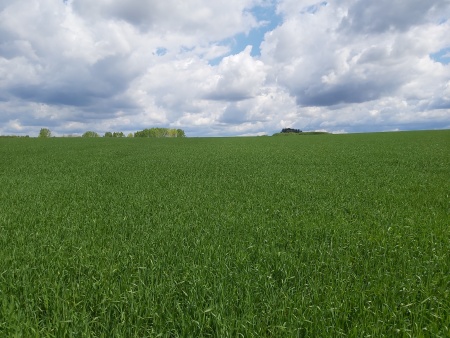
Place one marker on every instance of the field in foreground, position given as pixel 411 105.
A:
pixel 315 236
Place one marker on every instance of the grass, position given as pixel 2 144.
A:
pixel 325 236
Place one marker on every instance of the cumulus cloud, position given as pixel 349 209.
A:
pixel 391 15
pixel 346 65
pixel 324 65
pixel 194 22
pixel 239 77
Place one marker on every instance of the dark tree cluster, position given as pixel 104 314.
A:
pixel 13 136
pixel 115 134
pixel 290 130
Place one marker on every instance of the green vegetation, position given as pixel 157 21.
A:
pixel 160 132
pixel 301 133
pixel 90 134
pixel 326 236
pixel 115 134
pixel 45 133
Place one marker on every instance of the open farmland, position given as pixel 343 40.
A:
pixel 300 236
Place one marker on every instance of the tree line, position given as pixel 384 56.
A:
pixel 160 132
pixel 151 132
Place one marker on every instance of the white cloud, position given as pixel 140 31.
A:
pixel 196 21
pixel 323 65
pixel 109 64
pixel 238 77
pixel 391 15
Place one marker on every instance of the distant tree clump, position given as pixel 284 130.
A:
pixel 13 136
pixel 90 134
pixel 130 135
pixel 290 130
pixel 44 133
pixel 115 134
pixel 160 132
pixel 288 133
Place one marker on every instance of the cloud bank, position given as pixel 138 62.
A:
pixel 111 65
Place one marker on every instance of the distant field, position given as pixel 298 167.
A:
pixel 314 236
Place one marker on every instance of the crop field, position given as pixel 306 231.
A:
pixel 299 236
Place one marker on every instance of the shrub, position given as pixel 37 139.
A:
pixel 90 134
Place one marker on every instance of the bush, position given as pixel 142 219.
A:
pixel 160 132
pixel 90 134
pixel 45 133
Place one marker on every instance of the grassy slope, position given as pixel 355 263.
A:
pixel 330 235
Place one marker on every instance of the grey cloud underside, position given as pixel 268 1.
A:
pixel 187 18
pixel 348 88
pixel 233 115
pixel 227 96
pixel 384 15
pixel 440 103
pixel 77 94
pixel 80 85
pixel 349 92
pixel 54 96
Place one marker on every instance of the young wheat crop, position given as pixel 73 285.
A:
pixel 314 236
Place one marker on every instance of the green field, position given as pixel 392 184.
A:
pixel 300 236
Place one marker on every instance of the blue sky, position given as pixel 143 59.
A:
pixel 224 67
pixel 442 56
pixel 268 19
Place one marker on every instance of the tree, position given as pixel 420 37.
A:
pixel 291 130
pixel 171 133
pixel 130 135
pixel 160 132
pixel 90 134
pixel 44 133
pixel 108 134
pixel 118 134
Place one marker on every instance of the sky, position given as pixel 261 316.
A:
pixel 223 67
